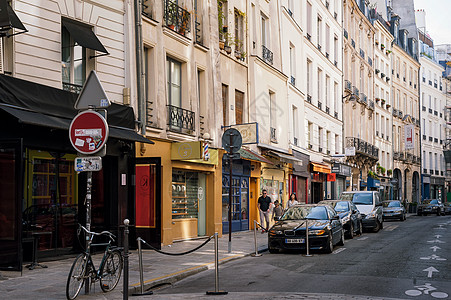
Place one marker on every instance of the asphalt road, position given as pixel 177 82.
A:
pixel 402 260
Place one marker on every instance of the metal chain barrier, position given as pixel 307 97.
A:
pixel 175 254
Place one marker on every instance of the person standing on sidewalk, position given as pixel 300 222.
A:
pixel 277 211
pixel 292 201
pixel 264 203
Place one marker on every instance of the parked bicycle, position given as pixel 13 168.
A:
pixel 83 268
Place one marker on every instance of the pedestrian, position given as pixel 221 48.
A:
pixel 264 203
pixel 292 201
pixel 277 211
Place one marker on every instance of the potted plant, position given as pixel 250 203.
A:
pixel 382 46
pixel 389 172
pixel 382 101
pixel 388 106
pixel 383 171
pixel 377 100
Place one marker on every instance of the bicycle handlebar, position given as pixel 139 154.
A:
pixel 110 235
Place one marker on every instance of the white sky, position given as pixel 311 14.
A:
pixel 438 19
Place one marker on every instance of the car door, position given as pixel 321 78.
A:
pixel 335 225
pixel 354 215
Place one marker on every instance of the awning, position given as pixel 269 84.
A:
pixel 39 119
pixel 286 158
pixel 253 156
pixel 84 36
pixel 9 20
pixel 317 167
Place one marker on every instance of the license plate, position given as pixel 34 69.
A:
pixel 294 241
pixel 389 214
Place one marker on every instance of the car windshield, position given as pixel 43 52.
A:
pixel 341 206
pixel 391 204
pixel 435 201
pixel 305 212
pixel 359 198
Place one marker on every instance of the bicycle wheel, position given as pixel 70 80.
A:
pixel 111 271
pixel 76 277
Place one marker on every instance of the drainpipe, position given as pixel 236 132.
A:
pixel 139 67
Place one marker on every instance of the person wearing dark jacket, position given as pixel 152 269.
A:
pixel 264 203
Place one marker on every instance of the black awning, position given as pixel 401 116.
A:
pixel 9 19
pixel 84 36
pixel 128 135
pixel 39 119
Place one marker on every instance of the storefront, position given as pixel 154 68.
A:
pixel 437 188
pixel 425 186
pixel 339 185
pixel 318 173
pixel 299 179
pixel 41 195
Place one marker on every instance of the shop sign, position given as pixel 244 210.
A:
pixel 249 132
pixel 342 170
pixel 88 163
pixel 350 151
pixel 426 179
pixel 331 177
pixel 409 137
pixel 186 150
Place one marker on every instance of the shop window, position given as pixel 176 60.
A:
pixel 185 200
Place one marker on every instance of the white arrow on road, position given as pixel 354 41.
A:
pixel 433 256
pixel 435 248
pixel 438 236
pixel 436 241
pixel 430 270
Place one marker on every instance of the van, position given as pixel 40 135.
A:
pixel 369 204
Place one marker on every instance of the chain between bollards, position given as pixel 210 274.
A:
pixel 141 275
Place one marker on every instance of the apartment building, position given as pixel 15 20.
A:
pixel 323 85
pixel 433 122
pixel 47 56
pixel 359 95
pixel 406 115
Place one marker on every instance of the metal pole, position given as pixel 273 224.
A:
pixel 88 219
pixel 255 240
pixel 230 194
pixel 306 238
pixel 125 284
pixel 217 291
pixel 141 275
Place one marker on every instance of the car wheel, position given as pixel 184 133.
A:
pixel 403 217
pixel 350 234
pixel 419 213
pixel 273 251
pixel 360 231
pixel 378 226
pixel 330 244
pixel 341 242
pixel 382 224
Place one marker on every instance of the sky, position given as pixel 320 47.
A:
pixel 438 19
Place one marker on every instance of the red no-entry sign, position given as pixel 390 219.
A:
pixel 88 132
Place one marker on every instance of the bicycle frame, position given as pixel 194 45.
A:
pixel 91 266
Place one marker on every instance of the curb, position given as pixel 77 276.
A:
pixel 177 276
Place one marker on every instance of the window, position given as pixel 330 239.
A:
pixel 265 33
pixel 273 109
pixel 327 39
pixel 225 106
pixel 320 138
pixel 309 19
pixel 309 74
pixel 328 141
pixel 336 49
pixel 239 31
pixel 320 84
pixel 174 69
pixel 201 97
pixel 292 62
pixel 295 125
pixel 73 61
pixel 310 133
pixel 336 106
pixel 319 30
pixel 337 144
pixel 239 103
pixel 326 99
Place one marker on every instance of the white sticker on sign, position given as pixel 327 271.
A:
pixel 92 146
pixel 79 142
pixel 88 132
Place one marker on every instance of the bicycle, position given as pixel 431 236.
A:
pixel 83 268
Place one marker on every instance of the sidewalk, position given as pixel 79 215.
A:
pixel 158 269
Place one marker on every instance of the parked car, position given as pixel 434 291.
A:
pixel 393 209
pixel 430 206
pixel 323 223
pixel 447 206
pixel 350 216
pixel 370 206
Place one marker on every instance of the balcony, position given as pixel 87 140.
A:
pixel 377 132
pixel 382 75
pixel 335 15
pixel 400 114
pixel 293 80
pixel 336 114
pixel 356 92
pixel 435 140
pixel 370 61
pixel 382 135
pixel 401 155
pixel 320 149
pixel 371 104
pixel 396 155
pixel 424 137
pixel 176 18
pixel 319 47
pixel 327 110
pixel 430 110
pixel 180 119
pixel 362 53
pixel 309 98
pixel 435 113
pixel 309 37
pixel 273 135
pixel 73 88
pixel 353 43
pixel 295 141
pixel 424 108
pixel 348 86
pixel 395 112
pixel 327 55
pixel 430 139
pixel 267 55
pixel 335 63
pixel 362 147
pixel 364 98
pixel 345 33
pixel 320 105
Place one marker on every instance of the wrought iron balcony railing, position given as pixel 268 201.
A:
pixel 356 92
pixel 395 112
pixel 180 119
pixel 293 80
pixel 176 18
pixel 295 141
pixel 267 55
pixel 348 86
pixel 73 88
pixel 345 33
pixel 363 147
pixel 353 43
pixel 370 61
pixel 362 53
pixel 371 104
pixel 273 135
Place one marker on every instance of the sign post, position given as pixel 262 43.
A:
pixel 231 141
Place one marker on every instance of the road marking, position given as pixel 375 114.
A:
pixel 362 238
pixel 433 256
pixel 436 241
pixel 430 270
pixel 438 236
pixel 304 267
pixel 434 248
pixel 338 250
pixel 391 227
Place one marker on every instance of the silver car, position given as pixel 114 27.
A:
pixel 393 209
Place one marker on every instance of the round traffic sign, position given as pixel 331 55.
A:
pixel 88 132
pixel 232 140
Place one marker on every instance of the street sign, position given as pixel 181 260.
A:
pixel 88 132
pixel 88 163
pixel 92 94
pixel 232 140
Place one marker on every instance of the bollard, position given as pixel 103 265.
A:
pixel 125 285
pixel 141 275
pixel 217 291
pixel 306 238
pixel 256 254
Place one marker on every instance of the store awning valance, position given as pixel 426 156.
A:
pixel 285 157
pixel 317 167
pixel 253 156
pixel 84 36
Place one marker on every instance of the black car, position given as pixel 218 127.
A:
pixel 350 216
pixel 393 209
pixel 324 227
pixel 447 206
pixel 430 206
